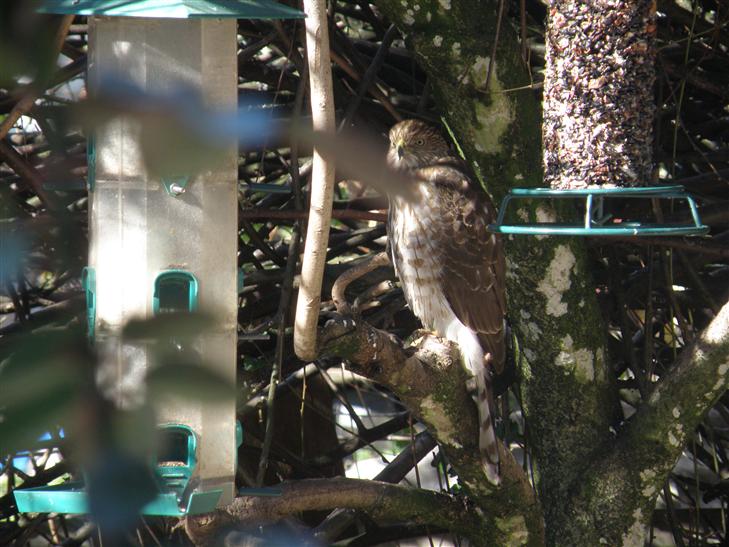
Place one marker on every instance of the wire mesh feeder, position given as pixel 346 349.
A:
pixel 597 222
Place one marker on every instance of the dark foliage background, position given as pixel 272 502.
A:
pixel 655 294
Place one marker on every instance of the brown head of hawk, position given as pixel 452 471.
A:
pixel 450 267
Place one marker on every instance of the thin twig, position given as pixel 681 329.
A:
pixel 25 104
pixel 369 76
pixel 287 288
pixel 26 172
pixel 685 244
pixel 354 273
pixel 260 244
pixel 342 63
pixel 492 61
pixel 340 519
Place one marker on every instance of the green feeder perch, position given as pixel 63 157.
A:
pixel 162 246
pixel 596 223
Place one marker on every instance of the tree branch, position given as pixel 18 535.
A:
pixel 26 103
pixel 696 383
pixel 632 472
pixel 322 182
pixel 381 501
pixel 393 473
pixel 429 380
pixel 431 383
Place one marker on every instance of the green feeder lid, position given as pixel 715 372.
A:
pixel 173 9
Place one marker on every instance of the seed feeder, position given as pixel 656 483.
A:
pixel 596 221
pixel 160 246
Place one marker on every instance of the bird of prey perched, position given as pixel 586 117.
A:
pixel 450 267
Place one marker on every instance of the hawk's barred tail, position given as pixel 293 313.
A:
pixel 487 444
pixel 479 365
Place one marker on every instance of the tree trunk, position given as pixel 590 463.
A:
pixel 597 129
pixel 568 395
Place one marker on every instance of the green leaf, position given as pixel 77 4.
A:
pixel 36 381
pixel 41 364
pixel 22 425
pixel 191 381
pixel 40 382
pixel 179 326
pixel 135 431
pixel 170 150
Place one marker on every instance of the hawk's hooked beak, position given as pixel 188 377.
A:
pixel 400 150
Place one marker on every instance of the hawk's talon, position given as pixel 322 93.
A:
pixel 471 386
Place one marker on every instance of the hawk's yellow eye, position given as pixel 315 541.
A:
pixel 420 142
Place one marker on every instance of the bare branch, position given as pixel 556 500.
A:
pixel 431 383
pixel 631 474
pixel 322 182
pixel 381 501
pixel 343 281
pixel 25 104
pixel 393 473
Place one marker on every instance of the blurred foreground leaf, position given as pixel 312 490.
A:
pixel 23 425
pixel 190 381
pixel 26 41
pixel 13 248
pixel 119 484
pixel 180 326
pixel 179 135
pixel 40 382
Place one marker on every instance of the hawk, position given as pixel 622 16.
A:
pixel 451 268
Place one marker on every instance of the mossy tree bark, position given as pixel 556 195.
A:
pixel 568 395
pixel 381 501
pixel 619 489
pixel 596 483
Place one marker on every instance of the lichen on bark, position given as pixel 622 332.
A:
pixel 569 416
pixel 628 477
pixel 429 379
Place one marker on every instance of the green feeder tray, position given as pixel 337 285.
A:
pixel 174 9
pixel 174 471
pixel 595 222
pixel 70 498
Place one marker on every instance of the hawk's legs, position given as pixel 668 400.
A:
pixel 471 387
